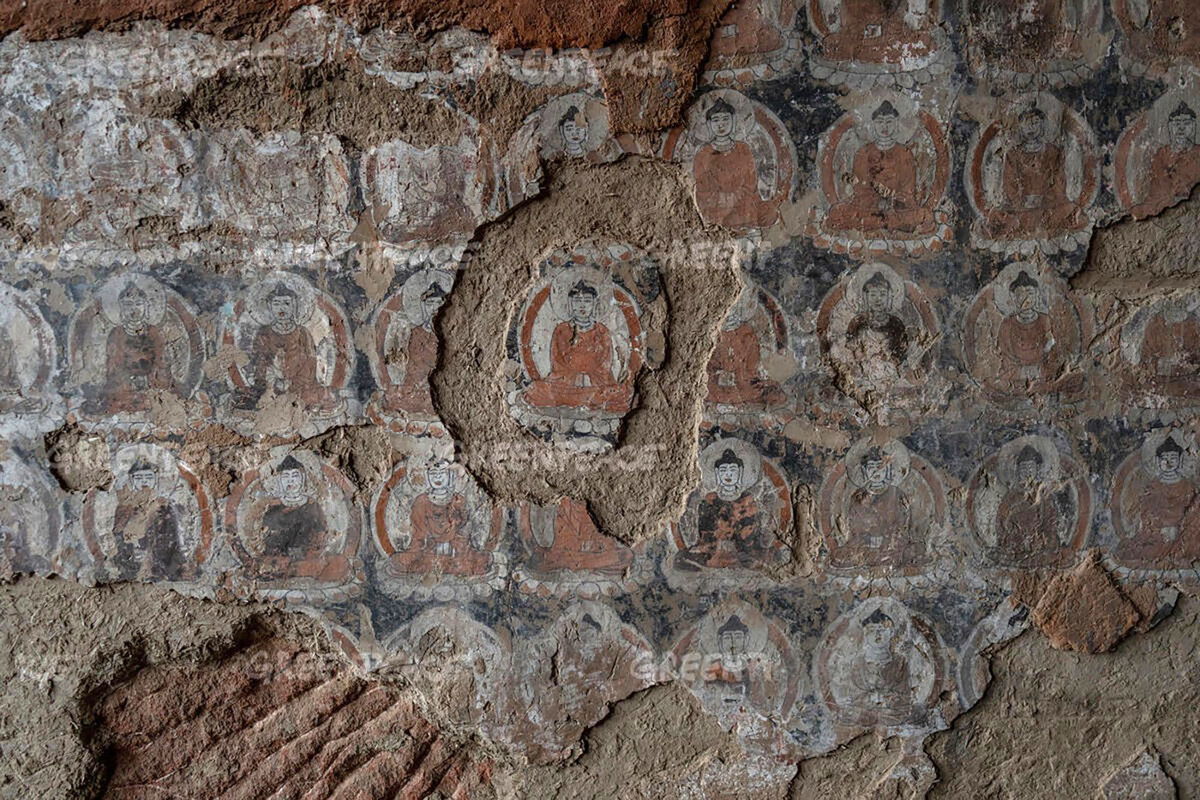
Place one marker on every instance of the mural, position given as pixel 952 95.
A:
pixel 404 352
pixel 136 352
pixel 437 533
pixel 567 555
pixel 1024 337
pixel 864 43
pixel 741 158
pixel 154 524
pixel 878 331
pixel 1160 349
pixel 753 41
pixel 570 127
pixel 751 361
pixel 880 512
pixel 880 667
pixel 1029 505
pixel 218 329
pixel 1035 44
pixel 284 185
pixel 429 194
pixel 1157 36
pixel 735 521
pixel 1153 504
pixel 293 356
pixel 28 361
pixel 586 330
pixel 1033 172
pixel 884 167
pixel 31 534
pixel 1157 159
pixel 295 529
pixel 738 664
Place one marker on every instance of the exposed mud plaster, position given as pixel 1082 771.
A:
pixel 658 45
pixel 1132 260
pixel 336 99
pixel 532 25
pixel 633 490
pixel 1086 716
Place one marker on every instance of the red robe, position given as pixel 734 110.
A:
pixel 441 540
pixel 888 326
pixel 1157 507
pixel 1034 189
pixel 880 532
pixel 1027 526
pixel 295 356
pixel 874 31
pixel 1167 20
pixel 884 195
pixel 727 188
pixel 135 363
pixel 729 533
pixel 1020 30
pixel 744 31
pixel 1025 360
pixel 882 693
pixel 581 374
pixel 412 393
pixel 1170 178
pixel 1179 344
pixel 733 371
pixel 147 533
pixel 579 545
pixel 295 543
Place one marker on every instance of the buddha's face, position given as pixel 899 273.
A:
pixel 733 644
pixel 1169 462
pixel 721 125
pixel 877 298
pixel 879 635
pixel 582 306
pixel 1026 298
pixel 283 308
pixel 143 479
pixel 1027 471
pixel 729 476
pixel 292 482
pixel 133 308
pixel 885 127
pixel 1032 129
pixel 574 132
pixel 1182 130
pixel 439 476
pixel 876 473
pixel 430 306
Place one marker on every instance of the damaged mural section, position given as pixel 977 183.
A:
pixel 222 357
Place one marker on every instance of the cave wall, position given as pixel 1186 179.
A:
pixel 767 400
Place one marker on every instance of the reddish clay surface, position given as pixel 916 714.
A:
pixel 268 719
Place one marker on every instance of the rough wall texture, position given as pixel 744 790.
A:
pixel 390 407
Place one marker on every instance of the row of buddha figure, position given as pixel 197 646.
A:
pixel 589 326
pixel 137 351
pixel 291 526
pixel 1026 339
pixel 790 686
pixel 883 510
pixel 881 171
pixel 1033 170
pixel 865 42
